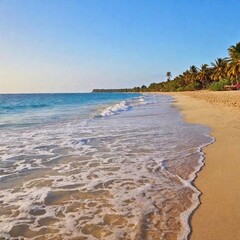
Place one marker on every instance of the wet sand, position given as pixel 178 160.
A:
pixel 105 179
pixel 218 217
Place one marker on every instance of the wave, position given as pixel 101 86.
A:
pixel 122 106
pixel 115 109
pixel 58 175
pixel 20 107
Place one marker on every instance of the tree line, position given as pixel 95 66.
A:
pixel 215 76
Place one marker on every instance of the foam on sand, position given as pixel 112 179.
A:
pixel 127 174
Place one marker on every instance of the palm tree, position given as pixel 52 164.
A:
pixel 187 77
pixel 219 69
pixel 203 74
pixel 193 72
pixel 168 75
pixel 181 80
pixel 234 62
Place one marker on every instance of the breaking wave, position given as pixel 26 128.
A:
pixel 121 106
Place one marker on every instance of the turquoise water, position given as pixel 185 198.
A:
pixel 97 166
pixel 18 110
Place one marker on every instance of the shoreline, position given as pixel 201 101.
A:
pixel 217 216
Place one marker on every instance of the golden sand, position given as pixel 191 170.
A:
pixel 218 217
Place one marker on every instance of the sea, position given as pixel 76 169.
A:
pixel 90 166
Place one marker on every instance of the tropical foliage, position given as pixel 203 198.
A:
pixel 214 76
pixel 233 70
pixel 219 86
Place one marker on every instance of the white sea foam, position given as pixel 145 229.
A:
pixel 122 106
pixel 115 109
pixel 114 176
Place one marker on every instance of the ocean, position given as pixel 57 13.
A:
pixel 97 166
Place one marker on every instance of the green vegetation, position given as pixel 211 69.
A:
pixel 219 86
pixel 221 72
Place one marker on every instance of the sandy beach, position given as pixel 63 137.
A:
pixel 218 216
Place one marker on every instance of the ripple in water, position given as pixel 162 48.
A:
pixel 119 176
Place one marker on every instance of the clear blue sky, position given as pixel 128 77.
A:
pixel 77 45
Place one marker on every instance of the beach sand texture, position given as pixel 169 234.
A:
pixel 218 217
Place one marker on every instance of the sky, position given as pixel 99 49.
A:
pixel 78 45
